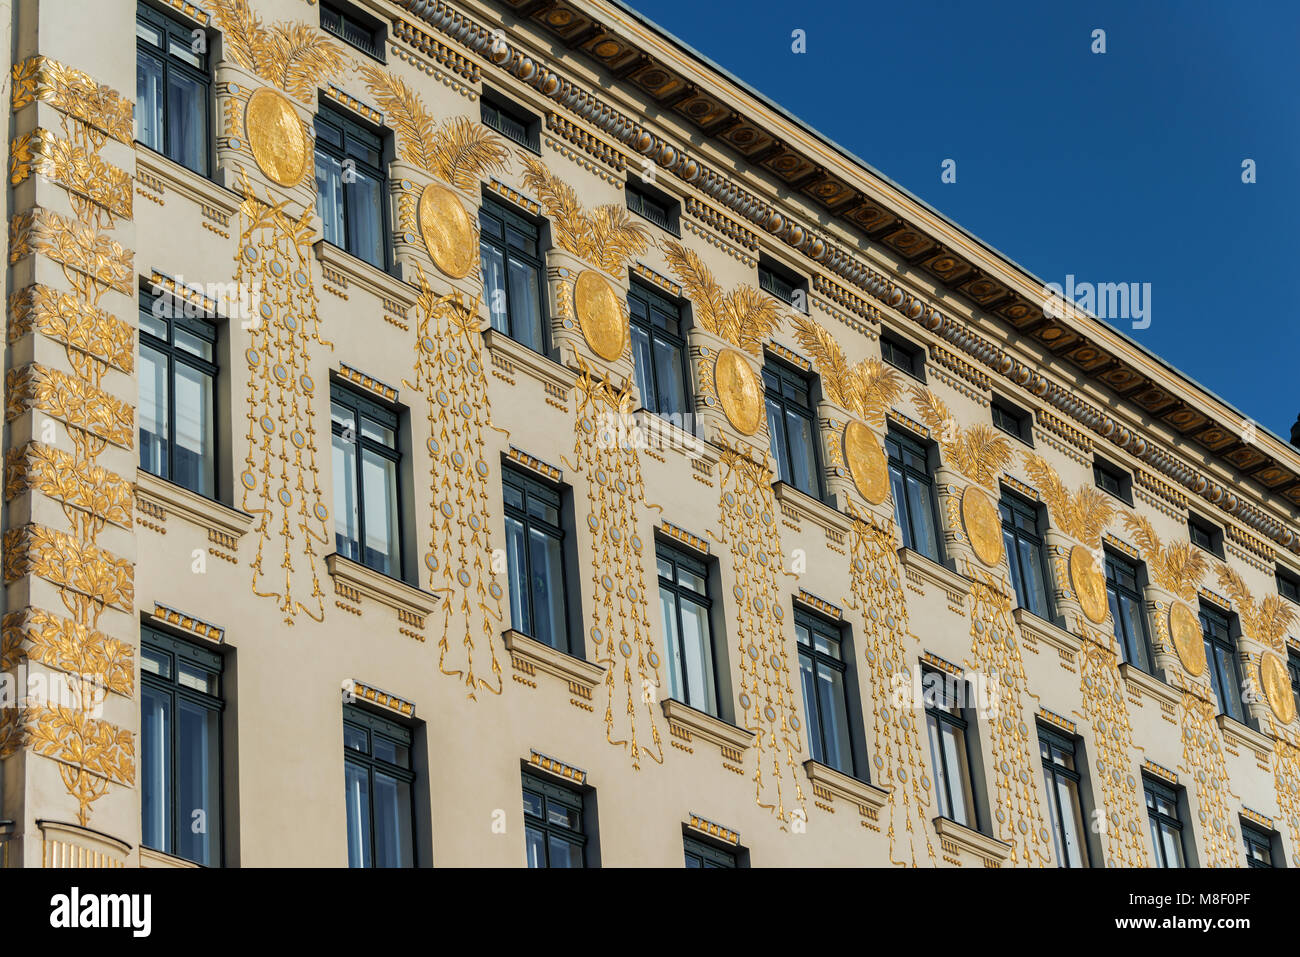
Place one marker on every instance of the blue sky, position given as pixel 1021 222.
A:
pixel 1117 167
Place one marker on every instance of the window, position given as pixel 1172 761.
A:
pixel 654 206
pixel 553 825
pixel 1221 655
pixel 950 746
pixel 171 90
pixel 699 854
pixel 688 642
pixel 1205 535
pixel 792 428
pixel 178 375
pixel 180 748
pixel 354 29
pixel 1163 820
pixel 1013 421
pixel 1293 668
pixel 659 352
pixel 826 711
pixel 535 557
pixel 1124 590
pixel 783 284
pixel 378 781
pixel 1288 585
pixel 1259 846
pixel 1113 480
pixel 351 187
pixel 1061 776
pixel 1025 553
pixel 513 274
pixel 510 121
pixel 367 518
pixel 914 503
pixel 902 354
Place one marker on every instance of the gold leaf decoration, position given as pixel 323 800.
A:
pixel 1266 622
pixel 1083 513
pixel 980 452
pixel 1178 567
pixel 745 316
pixel 605 237
pixel 293 56
pixel 458 152
pixel 867 388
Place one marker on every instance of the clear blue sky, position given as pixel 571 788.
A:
pixel 1119 167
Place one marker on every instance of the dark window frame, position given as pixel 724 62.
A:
pixel 638 195
pixel 1115 565
pixel 361 719
pixel 652 300
pixel 566 797
pixel 915 447
pixel 512 218
pixel 337 18
pixel 1198 527
pixel 165 643
pixel 773 278
pixel 205 328
pixel 493 106
pixel 391 418
pixel 1105 474
pixel 173 28
pixel 1024 508
pixel 1252 835
pixel 698 566
pixel 903 354
pixel 1226 641
pixel 1288 584
pixel 531 485
pixel 352 129
pixel 942 773
pixel 709 855
pixel 1055 769
pixel 1293 670
pixel 1172 795
pixel 788 376
pixel 832 631
pixel 1013 420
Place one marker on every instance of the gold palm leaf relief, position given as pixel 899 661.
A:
pixel 240 27
pixel 751 315
pixel 561 204
pixel 698 284
pixel 829 359
pixel 406 114
pixel 615 239
pixel 296 58
pixel 1267 621
pixel 876 387
pixel 462 151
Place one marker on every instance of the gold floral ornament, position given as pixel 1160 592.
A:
pixel 744 317
pixel 292 56
pixel 980 452
pixel 1083 513
pixel 867 389
pixel 458 152
pixel 1266 622
pixel 620 629
pixel 1178 567
pixel 605 236
pixel 450 373
pixel 280 481
pixel 276 137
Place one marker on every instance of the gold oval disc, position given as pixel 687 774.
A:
pixel 739 391
pixel 599 315
pixel 867 462
pixel 983 525
pixel 275 136
pixel 447 231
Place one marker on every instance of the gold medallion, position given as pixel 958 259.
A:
pixel 276 137
pixel 1277 687
pixel 983 526
pixel 1185 631
pixel 738 391
pixel 1089 584
pixel 447 231
pixel 867 462
pixel 599 315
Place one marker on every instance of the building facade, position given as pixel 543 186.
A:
pixel 484 433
